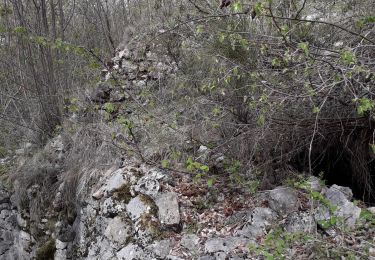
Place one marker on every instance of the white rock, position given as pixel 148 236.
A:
pixel 168 208
pixel 115 182
pixel 224 244
pixel 190 242
pixel 61 245
pixel 301 222
pixel 131 252
pixel 119 230
pixel 136 207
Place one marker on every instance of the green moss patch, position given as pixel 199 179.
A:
pixel 123 194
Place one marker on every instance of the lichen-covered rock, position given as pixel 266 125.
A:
pixel 190 242
pixel 169 214
pixel 131 252
pixel 110 208
pixel 138 206
pixel 148 185
pixel 119 230
pixel 225 244
pixel 301 222
pixel 260 218
pixel 161 248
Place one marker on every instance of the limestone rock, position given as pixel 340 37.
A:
pixel 190 242
pixel 345 209
pixel 161 248
pixel 169 213
pixel 301 222
pixel 260 218
pixel 225 244
pixel 138 206
pixel 119 230
pixel 283 200
pixel 148 185
pixel 110 208
pixel 131 252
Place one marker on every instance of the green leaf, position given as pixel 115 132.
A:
pixel 199 29
pixel 210 182
pixel 204 168
pixel 305 47
pixel 284 30
pixel 20 30
pixel 276 62
pixel 109 107
pixel 347 57
pixel 259 8
pixel 237 7
pixel 164 163
pixel 364 105
pixel 316 110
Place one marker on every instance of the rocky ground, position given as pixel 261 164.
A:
pixel 134 211
pixel 137 212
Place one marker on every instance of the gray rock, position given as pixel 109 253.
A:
pixel 168 209
pixel 110 208
pixel 148 185
pixel 220 256
pixel 115 182
pixel 138 206
pixel 4 196
pixel 346 191
pixel 206 257
pixel 345 210
pixel 119 230
pixel 131 252
pixel 301 222
pixel 260 218
pixel 161 248
pixel 225 244
pixel 61 245
pixel 190 242
pixel 314 183
pixel 283 200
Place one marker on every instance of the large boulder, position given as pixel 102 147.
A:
pixel 339 206
pixel 283 200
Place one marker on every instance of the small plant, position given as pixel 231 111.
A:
pixel 276 243
pixel 199 169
